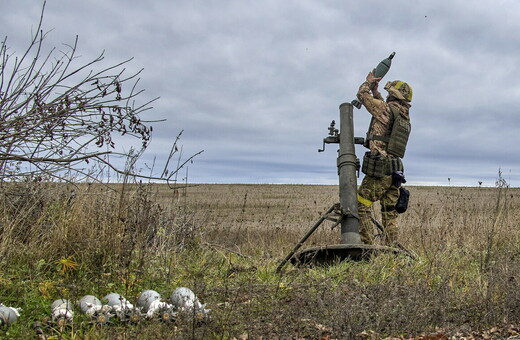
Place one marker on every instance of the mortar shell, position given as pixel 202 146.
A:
pixel 62 304
pixel 61 311
pixel 116 300
pixel 184 298
pixel 8 315
pixel 89 303
pixel 146 298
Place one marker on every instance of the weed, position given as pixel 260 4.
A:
pixel 225 242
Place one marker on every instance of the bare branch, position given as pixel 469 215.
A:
pixel 50 160
pixel 56 111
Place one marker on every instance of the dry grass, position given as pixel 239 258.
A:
pixel 224 241
pixel 271 218
pixel 262 220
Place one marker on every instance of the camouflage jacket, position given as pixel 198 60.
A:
pixel 381 113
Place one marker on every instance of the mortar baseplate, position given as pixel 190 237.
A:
pixel 332 254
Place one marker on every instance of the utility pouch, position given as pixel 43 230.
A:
pixel 373 166
pixel 402 203
pixel 392 165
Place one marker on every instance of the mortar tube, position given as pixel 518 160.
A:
pixel 347 163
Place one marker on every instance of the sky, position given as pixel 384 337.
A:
pixel 255 84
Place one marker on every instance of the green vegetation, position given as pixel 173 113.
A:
pixel 225 241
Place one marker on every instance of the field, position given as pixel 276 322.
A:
pixel 225 242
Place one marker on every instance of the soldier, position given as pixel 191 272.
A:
pixel 386 138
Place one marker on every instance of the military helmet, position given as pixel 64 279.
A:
pixel 400 90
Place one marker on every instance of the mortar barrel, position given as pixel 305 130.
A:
pixel 347 163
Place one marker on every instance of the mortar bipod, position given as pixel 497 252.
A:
pixel 334 214
pixel 339 252
pixel 306 236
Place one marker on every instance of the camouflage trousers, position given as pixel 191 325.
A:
pixel 372 190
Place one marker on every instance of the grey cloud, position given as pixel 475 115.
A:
pixel 255 84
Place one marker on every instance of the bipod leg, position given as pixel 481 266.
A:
pixel 399 245
pixel 304 238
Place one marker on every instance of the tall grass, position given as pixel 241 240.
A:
pixel 99 226
pixel 225 241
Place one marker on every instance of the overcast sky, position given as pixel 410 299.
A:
pixel 255 84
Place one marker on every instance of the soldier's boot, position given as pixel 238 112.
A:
pixel 390 224
pixel 366 227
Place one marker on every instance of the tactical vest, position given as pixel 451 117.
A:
pixel 396 136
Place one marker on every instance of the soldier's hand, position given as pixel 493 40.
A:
pixel 374 82
pixel 373 79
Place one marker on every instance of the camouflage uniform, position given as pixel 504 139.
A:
pixel 374 189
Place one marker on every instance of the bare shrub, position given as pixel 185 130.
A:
pixel 102 228
pixel 58 114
